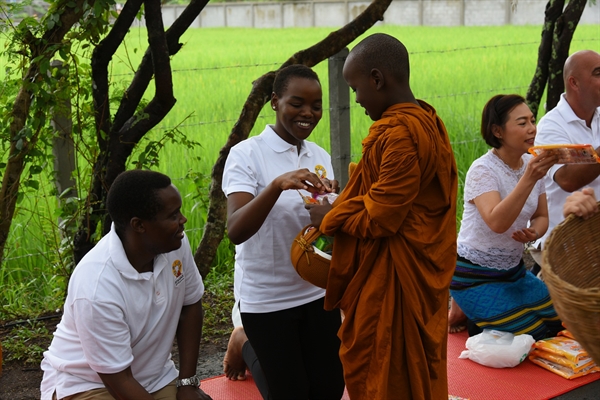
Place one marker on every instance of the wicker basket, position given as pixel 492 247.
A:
pixel 311 264
pixel 571 269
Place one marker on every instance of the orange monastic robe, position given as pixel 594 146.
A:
pixel 393 258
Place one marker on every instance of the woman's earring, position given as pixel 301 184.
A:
pixel 273 107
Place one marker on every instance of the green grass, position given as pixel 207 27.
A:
pixel 455 69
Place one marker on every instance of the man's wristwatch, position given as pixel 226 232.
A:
pixel 191 381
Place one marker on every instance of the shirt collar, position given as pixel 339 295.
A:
pixel 277 144
pixel 121 262
pixel 567 112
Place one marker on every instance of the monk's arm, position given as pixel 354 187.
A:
pixel 382 209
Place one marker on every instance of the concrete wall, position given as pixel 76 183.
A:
pixel 328 13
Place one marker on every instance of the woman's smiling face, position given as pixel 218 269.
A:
pixel 299 109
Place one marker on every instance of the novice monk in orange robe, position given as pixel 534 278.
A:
pixel 395 236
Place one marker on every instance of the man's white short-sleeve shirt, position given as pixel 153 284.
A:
pixel 265 279
pixel 115 317
pixel 561 126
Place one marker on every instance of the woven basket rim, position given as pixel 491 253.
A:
pixel 547 265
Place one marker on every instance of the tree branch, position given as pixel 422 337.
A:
pixel 127 129
pixel 540 77
pixel 101 57
pixel 144 73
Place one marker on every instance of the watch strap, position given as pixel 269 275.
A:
pixel 191 381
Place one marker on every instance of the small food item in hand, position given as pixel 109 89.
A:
pixel 327 198
pixel 308 199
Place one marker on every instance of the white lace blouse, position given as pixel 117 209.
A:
pixel 476 241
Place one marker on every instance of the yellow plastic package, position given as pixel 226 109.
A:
pixel 574 366
pixel 561 370
pixel 562 346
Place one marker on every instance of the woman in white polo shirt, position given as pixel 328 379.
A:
pixel 294 338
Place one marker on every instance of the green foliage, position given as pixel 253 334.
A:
pixel 51 88
pixel 218 298
pixel 27 342
pixel 148 156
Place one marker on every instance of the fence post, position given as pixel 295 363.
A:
pixel 508 12
pixel 339 117
pixel 63 147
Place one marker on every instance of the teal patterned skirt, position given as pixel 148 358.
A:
pixel 512 300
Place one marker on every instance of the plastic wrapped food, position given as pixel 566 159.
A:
pixel 574 366
pixel 561 370
pixel 562 346
pixel 569 153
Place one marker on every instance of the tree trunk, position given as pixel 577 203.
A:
pixel 128 128
pixel 557 33
pixel 561 42
pixel 538 83
pixel 20 145
pixel 259 96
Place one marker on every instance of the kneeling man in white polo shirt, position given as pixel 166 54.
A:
pixel 128 298
pixel 574 120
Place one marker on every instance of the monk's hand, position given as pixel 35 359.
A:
pixel 583 204
pixel 335 186
pixel 301 179
pixel 317 212
pixel 525 235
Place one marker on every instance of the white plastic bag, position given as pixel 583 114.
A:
pixel 498 349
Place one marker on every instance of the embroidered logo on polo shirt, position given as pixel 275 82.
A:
pixel 177 268
pixel 321 171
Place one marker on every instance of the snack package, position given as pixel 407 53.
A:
pixel 564 347
pixel 574 366
pixel 561 370
pixel 566 333
pixel 569 153
pixel 323 245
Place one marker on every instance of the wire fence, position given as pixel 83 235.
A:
pixel 277 64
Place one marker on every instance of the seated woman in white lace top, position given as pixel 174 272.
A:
pixel 504 208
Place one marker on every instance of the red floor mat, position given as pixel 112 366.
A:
pixel 466 379
pixel 221 388
pixel 526 381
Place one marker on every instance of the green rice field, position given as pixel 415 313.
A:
pixel 456 69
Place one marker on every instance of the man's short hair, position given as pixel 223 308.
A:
pixel 134 194
pixel 284 76
pixel 382 52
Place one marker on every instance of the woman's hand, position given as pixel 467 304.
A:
pixel 525 235
pixel 306 180
pixel 540 164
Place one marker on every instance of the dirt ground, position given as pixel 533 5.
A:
pixel 20 381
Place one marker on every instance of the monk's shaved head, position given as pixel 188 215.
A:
pixel 578 62
pixel 383 52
